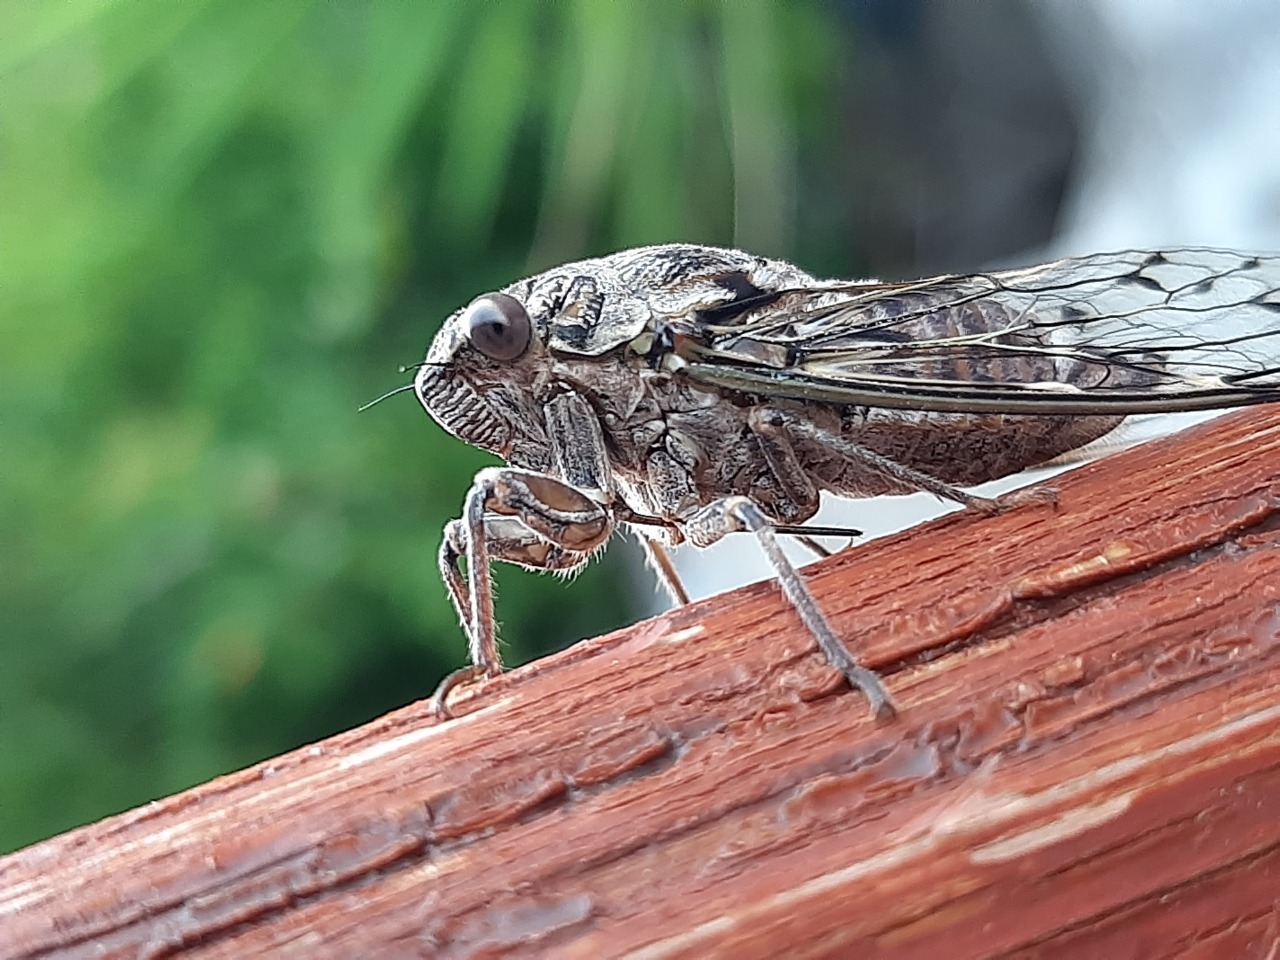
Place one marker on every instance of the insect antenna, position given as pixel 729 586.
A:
pixel 389 393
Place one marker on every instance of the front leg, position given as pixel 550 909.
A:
pixel 516 516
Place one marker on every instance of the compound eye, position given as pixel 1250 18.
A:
pixel 498 326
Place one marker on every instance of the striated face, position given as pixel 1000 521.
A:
pixel 496 362
pixel 479 371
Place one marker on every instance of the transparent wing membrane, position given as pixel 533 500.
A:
pixel 1128 332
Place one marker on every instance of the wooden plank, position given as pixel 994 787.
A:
pixel 1086 763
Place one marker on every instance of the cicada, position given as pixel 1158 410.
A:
pixel 687 392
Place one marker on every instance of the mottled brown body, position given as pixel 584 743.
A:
pixel 691 392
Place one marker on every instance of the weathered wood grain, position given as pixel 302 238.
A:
pixel 1086 763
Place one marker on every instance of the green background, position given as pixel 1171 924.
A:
pixel 223 225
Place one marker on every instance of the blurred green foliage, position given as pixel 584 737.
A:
pixel 222 227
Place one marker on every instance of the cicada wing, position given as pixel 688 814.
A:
pixel 1129 332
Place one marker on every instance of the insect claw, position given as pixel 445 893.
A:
pixel 439 699
pixel 1032 495
pixel 1014 499
pixel 868 683
pixel 986 506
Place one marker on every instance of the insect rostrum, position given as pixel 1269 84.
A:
pixel 688 392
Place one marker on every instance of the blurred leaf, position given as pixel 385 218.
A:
pixel 222 227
